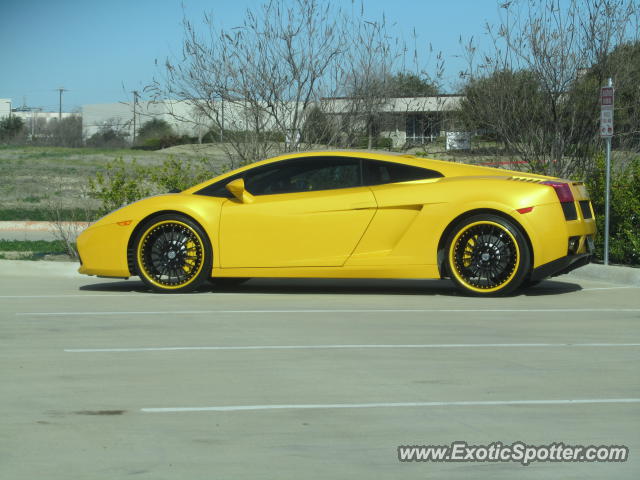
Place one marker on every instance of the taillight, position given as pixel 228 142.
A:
pixel 566 199
pixel 562 190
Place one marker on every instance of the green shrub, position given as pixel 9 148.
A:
pixel 107 137
pixel 176 175
pixel 158 143
pixel 11 128
pixel 317 127
pixel 119 184
pixel 624 224
pixel 122 183
pixel 154 128
pixel 378 142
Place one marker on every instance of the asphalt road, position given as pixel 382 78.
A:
pixel 308 379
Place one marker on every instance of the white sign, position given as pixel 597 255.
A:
pixel 458 141
pixel 606 112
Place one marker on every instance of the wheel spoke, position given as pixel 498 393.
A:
pixel 484 256
pixel 171 254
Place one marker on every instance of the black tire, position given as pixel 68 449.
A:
pixel 172 254
pixel 530 284
pixel 487 255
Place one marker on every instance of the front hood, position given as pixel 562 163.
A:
pixel 132 210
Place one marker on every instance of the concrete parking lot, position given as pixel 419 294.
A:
pixel 297 379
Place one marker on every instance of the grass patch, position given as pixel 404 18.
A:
pixel 33 152
pixel 30 249
pixel 42 247
pixel 45 214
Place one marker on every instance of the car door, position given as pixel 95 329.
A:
pixel 399 190
pixel 304 212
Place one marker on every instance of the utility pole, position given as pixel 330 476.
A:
pixel 60 90
pixel 135 103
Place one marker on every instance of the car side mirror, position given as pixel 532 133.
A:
pixel 237 189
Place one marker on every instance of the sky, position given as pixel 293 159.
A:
pixel 101 50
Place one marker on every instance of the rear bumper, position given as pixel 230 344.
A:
pixel 560 266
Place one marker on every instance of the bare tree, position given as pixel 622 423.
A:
pixel 544 46
pixel 111 134
pixel 66 132
pixel 254 83
pixel 365 73
pixel 271 84
pixel 375 71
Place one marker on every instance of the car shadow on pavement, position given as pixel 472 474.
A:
pixel 337 286
pixel 551 287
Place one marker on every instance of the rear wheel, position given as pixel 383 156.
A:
pixel 173 254
pixel 487 255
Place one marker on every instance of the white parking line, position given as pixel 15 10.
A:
pixel 605 288
pixel 74 295
pixel 326 347
pixel 131 294
pixel 416 310
pixel 211 294
pixel 238 408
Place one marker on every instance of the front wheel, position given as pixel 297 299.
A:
pixel 488 255
pixel 173 254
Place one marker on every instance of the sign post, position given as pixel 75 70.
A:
pixel 606 132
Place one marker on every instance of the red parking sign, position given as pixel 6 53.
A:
pixel 606 112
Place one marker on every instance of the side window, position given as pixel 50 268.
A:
pixel 378 172
pixel 219 189
pixel 304 175
pixel 290 176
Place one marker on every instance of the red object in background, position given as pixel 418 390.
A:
pixel 606 96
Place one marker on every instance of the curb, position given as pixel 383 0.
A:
pixel 36 226
pixel 608 273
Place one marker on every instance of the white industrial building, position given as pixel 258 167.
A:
pixel 412 120
pixel 5 107
pixel 406 120
pixel 184 117
pixel 30 115
pixel 124 118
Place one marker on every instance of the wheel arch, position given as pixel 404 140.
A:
pixel 131 261
pixel 442 257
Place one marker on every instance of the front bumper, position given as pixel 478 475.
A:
pixel 103 250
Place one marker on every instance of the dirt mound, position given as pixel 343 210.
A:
pixel 196 149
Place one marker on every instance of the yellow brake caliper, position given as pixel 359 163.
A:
pixel 467 255
pixel 189 263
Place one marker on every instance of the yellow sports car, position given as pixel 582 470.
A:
pixel 345 214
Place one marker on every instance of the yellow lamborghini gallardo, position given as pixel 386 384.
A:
pixel 345 214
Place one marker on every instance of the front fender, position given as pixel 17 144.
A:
pixel 103 246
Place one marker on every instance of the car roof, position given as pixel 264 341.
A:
pixel 364 154
pixel 446 168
